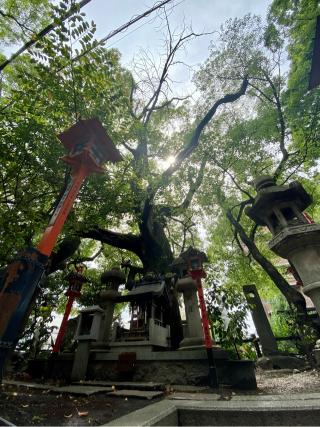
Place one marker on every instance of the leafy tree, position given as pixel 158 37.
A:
pixel 132 204
pixel 21 19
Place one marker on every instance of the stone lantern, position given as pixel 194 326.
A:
pixel 112 279
pixel 280 208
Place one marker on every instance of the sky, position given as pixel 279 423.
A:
pixel 147 34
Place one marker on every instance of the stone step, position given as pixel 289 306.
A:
pixel 127 385
pixel 26 384
pixel 80 390
pixel 141 394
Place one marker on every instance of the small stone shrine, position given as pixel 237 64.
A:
pixel 280 208
pixel 149 308
pixel 153 345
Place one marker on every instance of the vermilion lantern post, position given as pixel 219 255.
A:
pixel 88 147
pixel 195 270
pixel 76 279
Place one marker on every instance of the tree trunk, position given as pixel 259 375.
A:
pixel 156 251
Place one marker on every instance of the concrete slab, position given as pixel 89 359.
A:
pixel 81 390
pixel 137 393
pixel 294 410
pixel 27 384
pixel 149 417
pixel 120 385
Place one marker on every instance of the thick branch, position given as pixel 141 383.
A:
pixel 194 140
pixel 129 241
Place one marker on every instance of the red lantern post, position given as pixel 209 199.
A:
pixel 89 147
pixel 76 280
pixel 195 270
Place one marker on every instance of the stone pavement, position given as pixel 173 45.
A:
pixel 147 390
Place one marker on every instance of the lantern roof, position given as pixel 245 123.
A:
pixel 115 273
pixel 88 142
pixel 270 195
pixel 192 253
pixel 75 276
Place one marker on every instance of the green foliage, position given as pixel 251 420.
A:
pixel 284 324
pixel 227 311
pixel 40 98
pixel 22 19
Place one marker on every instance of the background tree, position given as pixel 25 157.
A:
pixel 253 140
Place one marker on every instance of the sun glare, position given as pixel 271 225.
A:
pixel 164 164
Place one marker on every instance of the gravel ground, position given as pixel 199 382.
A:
pixel 285 380
pixel 24 406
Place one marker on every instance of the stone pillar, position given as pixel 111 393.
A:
pixel 261 322
pixel 194 338
pixel 112 279
pixel 107 302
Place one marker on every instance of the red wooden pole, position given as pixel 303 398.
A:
pixel 61 212
pixel 204 316
pixel 63 325
pixel 197 274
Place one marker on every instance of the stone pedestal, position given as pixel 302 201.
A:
pixel 301 246
pixel 194 333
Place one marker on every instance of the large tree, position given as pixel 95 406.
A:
pixel 130 206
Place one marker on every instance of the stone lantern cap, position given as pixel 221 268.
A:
pixel 270 195
pixel 76 277
pixel 192 253
pixel 113 275
pixel 181 263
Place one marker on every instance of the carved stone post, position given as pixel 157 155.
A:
pixel 260 320
pixel 194 334
pixel 112 279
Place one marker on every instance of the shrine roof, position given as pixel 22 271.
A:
pixel 144 291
